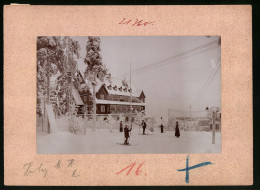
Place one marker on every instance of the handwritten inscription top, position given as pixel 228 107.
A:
pixel 136 22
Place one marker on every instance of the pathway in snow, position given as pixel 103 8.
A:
pixel 101 141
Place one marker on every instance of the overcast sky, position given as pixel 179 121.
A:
pixel 194 80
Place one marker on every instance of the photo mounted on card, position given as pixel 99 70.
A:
pixel 151 95
pixel 154 94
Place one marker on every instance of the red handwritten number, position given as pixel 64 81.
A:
pixel 137 172
pixel 133 164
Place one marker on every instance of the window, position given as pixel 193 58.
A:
pixel 119 108
pixel 124 108
pixel 102 97
pixel 103 108
pixel 112 108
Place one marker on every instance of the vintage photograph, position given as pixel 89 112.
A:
pixel 128 94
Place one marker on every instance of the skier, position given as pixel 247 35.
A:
pixel 127 131
pixel 144 126
pixel 161 125
pixel 177 131
pixel 121 126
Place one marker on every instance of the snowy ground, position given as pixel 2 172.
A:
pixel 101 141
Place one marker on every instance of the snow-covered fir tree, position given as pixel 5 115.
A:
pixel 56 57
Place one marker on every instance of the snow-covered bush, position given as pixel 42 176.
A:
pixel 110 123
pixel 150 124
pixel 171 124
pixel 139 117
pixel 74 126
pixel 101 123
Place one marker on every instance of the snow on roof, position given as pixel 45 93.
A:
pixel 98 101
pixel 76 96
pixel 125 91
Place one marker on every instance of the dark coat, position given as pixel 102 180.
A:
pixel 121 127
pixel 127 131
pixel 144 125
pixel 161 128
pixel 177 131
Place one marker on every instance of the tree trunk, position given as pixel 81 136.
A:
pixel 48 93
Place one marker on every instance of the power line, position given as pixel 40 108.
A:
pixel 207 45
pixel 181 54
pixel 209 80
pixel 197 53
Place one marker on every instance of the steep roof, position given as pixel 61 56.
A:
pixel 117 83
pixel 76 96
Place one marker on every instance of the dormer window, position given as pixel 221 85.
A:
pixel 115 88
pixel 120 89
pixel 130 90
pixel 125 89
pixel 109 87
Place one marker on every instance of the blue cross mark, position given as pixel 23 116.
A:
pixel 192 167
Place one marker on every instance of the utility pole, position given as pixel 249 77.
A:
pixel 190 111
pixel 85 118
pixel 130 97
pixel 213 126
pixel 94 100
pixel 212 112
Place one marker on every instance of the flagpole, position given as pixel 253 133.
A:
pixel 130 97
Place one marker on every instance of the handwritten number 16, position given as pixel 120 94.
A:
pixel 137 172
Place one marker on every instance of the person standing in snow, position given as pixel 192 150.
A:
pixel 121 126
pixel 161 125
pixel 144 126
pixel 127 131
pixel 177 130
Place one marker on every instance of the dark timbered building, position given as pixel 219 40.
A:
pixel 113 97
